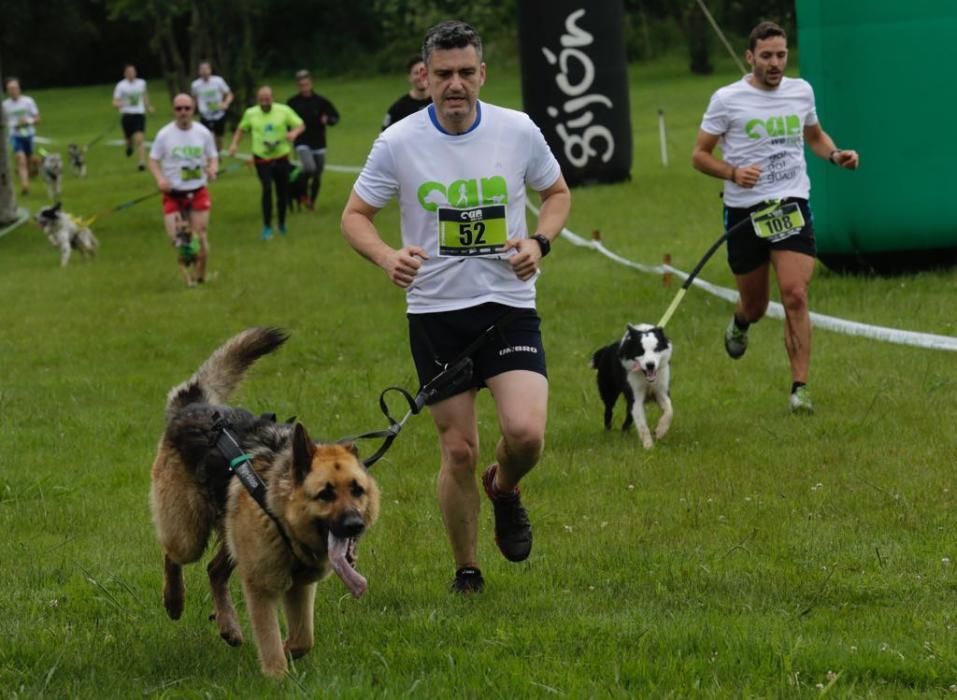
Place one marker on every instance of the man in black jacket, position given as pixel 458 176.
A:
pixel 317 112
pixel 415 99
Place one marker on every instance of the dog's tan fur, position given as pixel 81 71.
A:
pixel 313 489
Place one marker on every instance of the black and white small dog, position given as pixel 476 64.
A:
pixel 638 366
pixel 65 233
pixel 52 170
pixel 77 159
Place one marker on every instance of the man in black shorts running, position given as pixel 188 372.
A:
pixel 762 123
pixel 459 169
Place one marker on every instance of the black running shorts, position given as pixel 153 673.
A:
pixel 217 126
pixel 747 252
pixel 439 338
pixel 133 123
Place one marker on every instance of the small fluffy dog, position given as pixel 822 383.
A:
pixel 638 366
pixel 77 156
pixel 52 170
pixel 64 232
pixel 319 498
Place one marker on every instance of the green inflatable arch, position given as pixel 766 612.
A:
pixel 882 76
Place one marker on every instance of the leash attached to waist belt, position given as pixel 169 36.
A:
pixel 456 370
pixel 697 268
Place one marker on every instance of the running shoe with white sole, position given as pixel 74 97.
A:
pixel 735 340
pixel 800 401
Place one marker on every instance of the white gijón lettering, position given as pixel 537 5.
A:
pixel 577 131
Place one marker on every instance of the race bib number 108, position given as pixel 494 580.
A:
pixel 481 231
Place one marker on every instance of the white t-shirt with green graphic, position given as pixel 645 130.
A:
pixel 426 168
pixel 183 154
pixel 131 94
pixel 20 115
pixel 763 127
pixel 209 96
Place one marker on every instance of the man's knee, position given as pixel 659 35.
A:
pixel 794 297
pixel 461 454
pixel 524 440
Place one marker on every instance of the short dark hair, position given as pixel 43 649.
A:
pixel 450 34
pixel 10 79
pixel 413 61
pixel 765 30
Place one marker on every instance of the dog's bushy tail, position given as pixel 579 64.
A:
pixel 218 377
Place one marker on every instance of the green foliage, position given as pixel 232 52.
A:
pixel 750 554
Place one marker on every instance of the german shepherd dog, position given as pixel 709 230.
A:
pixel 320 499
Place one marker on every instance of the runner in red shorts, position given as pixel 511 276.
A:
pixel 183 159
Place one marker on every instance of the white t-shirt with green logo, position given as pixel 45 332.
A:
pixel 131 93
pixel 209 96
pixel 489 165
pixel 763 127
pixel 183 154
pixel 20 115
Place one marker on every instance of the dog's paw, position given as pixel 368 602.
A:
pixel 229 629
pixel 646 440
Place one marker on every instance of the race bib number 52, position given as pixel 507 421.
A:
pixel 476 232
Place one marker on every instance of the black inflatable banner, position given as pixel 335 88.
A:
pixel 575 85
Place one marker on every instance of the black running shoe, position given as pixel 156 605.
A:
pixel 468 579
pixel 129 150
pixel 513 531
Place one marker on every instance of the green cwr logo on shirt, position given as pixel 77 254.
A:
pixel 773 127
pixel 463 193
pixel 186 152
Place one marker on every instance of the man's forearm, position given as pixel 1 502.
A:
pixel 362 235
pixel 553 214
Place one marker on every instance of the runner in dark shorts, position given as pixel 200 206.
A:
pixel 439 338
pixel 748 252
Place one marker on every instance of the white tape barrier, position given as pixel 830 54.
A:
pixel 775 310
pixel 22 216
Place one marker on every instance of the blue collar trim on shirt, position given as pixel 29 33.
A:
pixel 435 120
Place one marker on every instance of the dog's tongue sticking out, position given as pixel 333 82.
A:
pixel 341 554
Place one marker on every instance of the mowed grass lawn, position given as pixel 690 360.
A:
pixel 751 553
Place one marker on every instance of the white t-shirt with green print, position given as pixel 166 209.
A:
pixel 426 168
pixel 183 154
pixel 763 127
pixel 210 95
pixel 131 93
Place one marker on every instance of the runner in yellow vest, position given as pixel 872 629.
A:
pixel 273 127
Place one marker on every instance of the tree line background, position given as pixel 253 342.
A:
pixel 59 43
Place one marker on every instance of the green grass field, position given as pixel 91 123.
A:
pixel 751 553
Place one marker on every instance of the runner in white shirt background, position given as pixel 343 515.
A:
pixel 762 123
pixel 459 170
pixel 183 158
pixel 213 98
pixel 133 101
pixel 22 116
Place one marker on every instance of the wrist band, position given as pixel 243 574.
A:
pixel 830 156
pixel 734 171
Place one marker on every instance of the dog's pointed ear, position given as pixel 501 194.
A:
pixel 56 207
pixel 351 446
pixel 302 450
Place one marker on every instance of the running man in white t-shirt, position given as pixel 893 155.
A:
pixel 183 159
pixel 21 114
pixel 133 101
pixel 213 98
pixel 459 170
pixel 762 123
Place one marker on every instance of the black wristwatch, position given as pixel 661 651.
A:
pixel 543 243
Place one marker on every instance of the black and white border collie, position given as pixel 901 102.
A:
pixel 638 366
